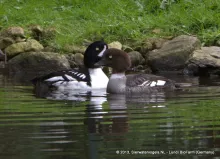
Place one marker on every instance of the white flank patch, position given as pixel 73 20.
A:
pixel 71 85
pixel 102 52
pixel 98 81
pixel 160 83
pixel 74 72
pixel 70 78
pixel 153 83
pixel 144 83
pixel 83 76
pixel 56 78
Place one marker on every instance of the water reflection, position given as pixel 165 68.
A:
pixel 106 117
pixel 95 124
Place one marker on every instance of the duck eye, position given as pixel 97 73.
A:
pixel 97 49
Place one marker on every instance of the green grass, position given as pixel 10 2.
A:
pixel 125 21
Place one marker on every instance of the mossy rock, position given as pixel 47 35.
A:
pixel 173 55
pixel 29 45
pixel 136 58
pixel 37 63
pixel 204 62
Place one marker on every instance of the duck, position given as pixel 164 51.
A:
pixel 120 83
pixel 84 78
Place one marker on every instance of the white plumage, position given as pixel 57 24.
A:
pixel 56 78
pixel 160 83
pixel 153 83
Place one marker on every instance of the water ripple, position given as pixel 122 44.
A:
pixel 100 125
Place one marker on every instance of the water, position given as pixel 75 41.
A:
pixel 184 124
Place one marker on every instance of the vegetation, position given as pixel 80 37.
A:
pixel 125 21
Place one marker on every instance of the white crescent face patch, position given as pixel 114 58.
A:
pixel 102 52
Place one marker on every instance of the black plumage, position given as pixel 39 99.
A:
pixel 91 56
pixel 81 74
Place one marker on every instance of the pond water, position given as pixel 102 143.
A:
pixel 182 124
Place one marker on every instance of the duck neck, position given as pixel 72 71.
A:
pixel 95 70
pixel 117 83
pixel 98 78
pixel 117 75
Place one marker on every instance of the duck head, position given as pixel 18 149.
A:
pixel 117 59
pixel 94 53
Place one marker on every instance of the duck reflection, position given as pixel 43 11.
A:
pixel 106 120
pixel 106 117
pixel 70 94
pixel 113 119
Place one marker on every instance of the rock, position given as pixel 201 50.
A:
pixel 2 56
pixel 43 35
pixel 50 49
pixel 29 45
pixel 70 58
pixel 2 66
pixel 205 61
pixel 173 55
pixel 74 49
pixel 37 29
pixel 147 70
pixel 15 49
pixel 115 44
pixel 31 64
pixel 191 69
pixel 139 69
pixel 33 45
pixel 75 60
pixel 36 32
pixel 127 48
pixel 136 58
pixel 79 59
pixel 158 42
pixel 146 46
pixel 19 39
pixel 5 42
pixel 49 33
pixel 150 44
pixel 13 32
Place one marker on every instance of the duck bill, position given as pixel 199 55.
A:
pixel 102 62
